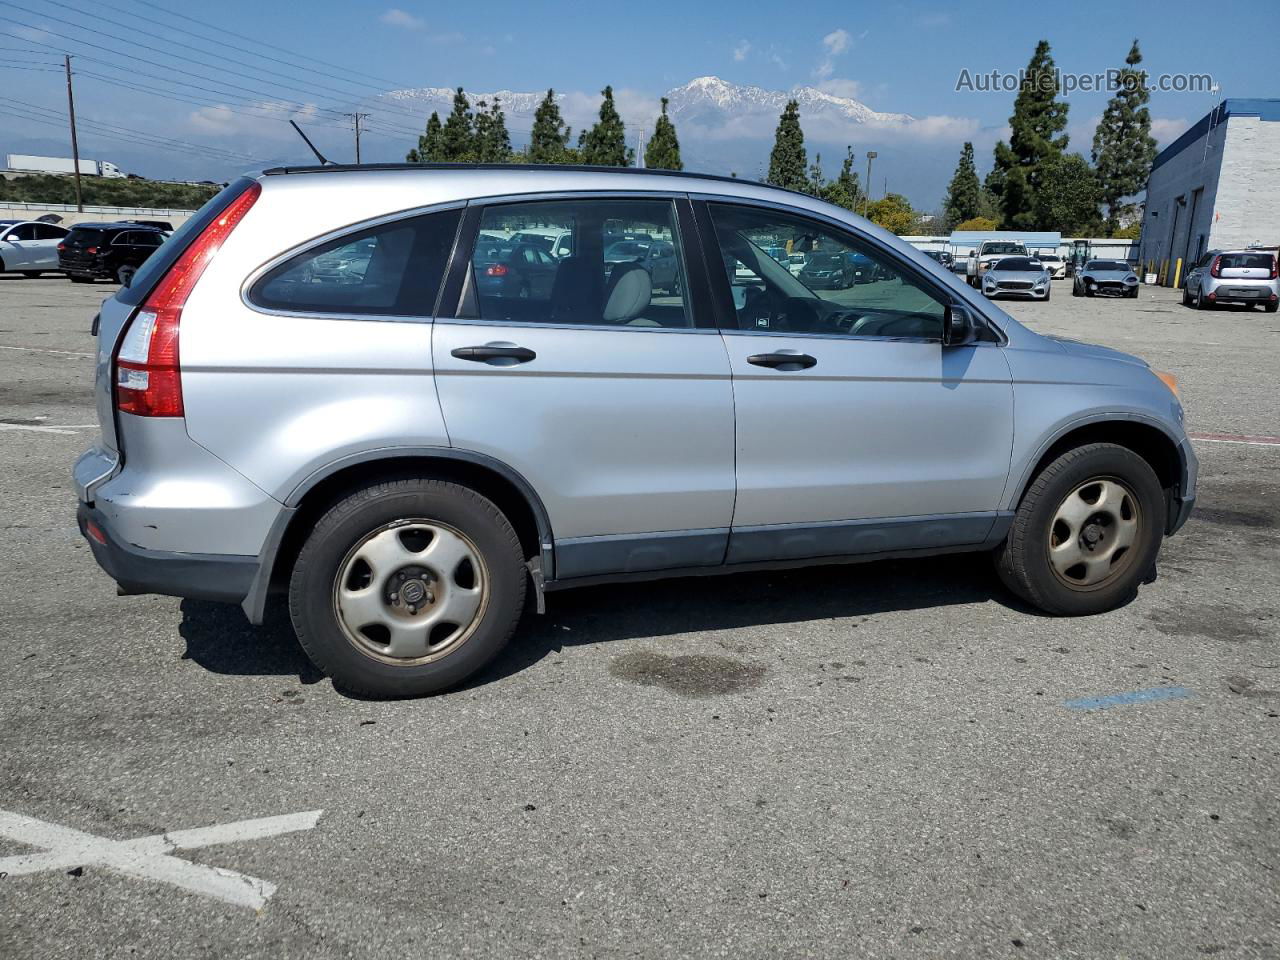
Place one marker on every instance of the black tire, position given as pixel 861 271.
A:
pixel 32 274
pixel 1048 292
pixel 82 279
pixel 1186 296
pixel 125 274
pixel 1271 307
pixel 1075 289
pixel 312 585
pixel 1023 559
pixel 1201 302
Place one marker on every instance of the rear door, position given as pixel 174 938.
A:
pixel 858 431
pixel 47 239
pixel 611 397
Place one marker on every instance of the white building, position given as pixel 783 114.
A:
pixel 1216 187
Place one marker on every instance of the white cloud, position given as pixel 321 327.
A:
pixel 850 89
pixel 1167 129
pixel 741 50
pixel 835 44
pixel 268 120
pixel 395 17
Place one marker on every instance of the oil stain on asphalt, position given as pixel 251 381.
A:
pixel 1215 621
pixel 689 676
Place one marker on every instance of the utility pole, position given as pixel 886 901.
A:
pixel 866 196
pixel 75 146
pixel 357 117
pixel 640 147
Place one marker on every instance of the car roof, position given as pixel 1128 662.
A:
pixel 116 225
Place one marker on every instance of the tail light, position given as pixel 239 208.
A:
pixel 91 250
pixel 148 375
pixel 61 247
pixel 1275 263
pixel 1216 269
pixel 496 270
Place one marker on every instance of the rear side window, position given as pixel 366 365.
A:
pixel 47 231
pixel 393 269
pixel 81 236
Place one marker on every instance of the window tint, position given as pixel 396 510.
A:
pixel 25 232
pixel 393 269
pixel 47 231
pixel 1240 261
pixel 820 280
pixel 596 261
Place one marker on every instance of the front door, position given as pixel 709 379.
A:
pixel 858 431
pixel 609 393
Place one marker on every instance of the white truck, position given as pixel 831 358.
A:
pixel 988 252
pixel 22 163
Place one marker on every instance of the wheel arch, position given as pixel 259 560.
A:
pixel 1148 439
pixel 497 481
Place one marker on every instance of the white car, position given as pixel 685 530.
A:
pixel 1056 266
pixel 29 247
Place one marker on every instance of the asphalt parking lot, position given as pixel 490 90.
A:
pixel 884 760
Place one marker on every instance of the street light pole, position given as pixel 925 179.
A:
pixel 866 194
pixel 75 147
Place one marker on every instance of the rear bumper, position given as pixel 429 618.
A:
pixel 136 570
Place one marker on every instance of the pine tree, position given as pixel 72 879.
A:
pixel 549 140
pixel 492 142
pixel 845 190
pixel 605 144
pixel 964 195
pixel 428 150
pixel 1123 149
pixel 1036 140
pixel 815 180
pixel 457 137
pixel 663 149
pixel 787 160
pixel 1069 197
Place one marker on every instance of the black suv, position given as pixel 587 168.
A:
pixel 107 251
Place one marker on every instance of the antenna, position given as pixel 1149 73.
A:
pixel 319 155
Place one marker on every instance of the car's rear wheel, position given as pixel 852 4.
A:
pixel 1086 533
pixel 82 279
pixel 407 587
pixel 31 274
pixel 1186 296
pixel 1201 302
pixel 124 275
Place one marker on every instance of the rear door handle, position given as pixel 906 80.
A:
pixel 493 351
pixel 798 361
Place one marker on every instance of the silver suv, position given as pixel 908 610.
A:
pixel 323 384
pixel 1233 276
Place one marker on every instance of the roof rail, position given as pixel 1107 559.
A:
pixel 543 167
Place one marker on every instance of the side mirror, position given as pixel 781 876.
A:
pixel 959 326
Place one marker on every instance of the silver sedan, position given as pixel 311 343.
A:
pixel 1017 277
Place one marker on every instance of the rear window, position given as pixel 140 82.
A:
pixel 158 264
pixel 393 269
pixel 82 236
pixel 1246 261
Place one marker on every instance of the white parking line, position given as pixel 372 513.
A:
pixel 149 858
pixel 64 353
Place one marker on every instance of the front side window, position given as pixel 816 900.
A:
pixel 47 231
pixel 597 261
pixel 25 232
pixel 393 269
pixel 822 281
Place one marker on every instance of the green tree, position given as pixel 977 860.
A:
pixel 964 195
pixel 458 136
pixel 893 212
pixel 845 190
pixel 1123 148
pixel 1068 198
pixel 549 140
pixel 492 142
pixel 605 144
pixel 1036 139
pixel 977 223
pixel 815 179
pixel 787 160
pixel 428 149
pixel 662 152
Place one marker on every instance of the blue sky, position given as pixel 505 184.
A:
pixel 901 58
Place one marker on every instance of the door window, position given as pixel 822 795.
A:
pixel 589 262
pixel 791 275
pixel 47 231
pixel 393 269
pixel 26 231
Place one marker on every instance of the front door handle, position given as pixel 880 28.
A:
pixel 493 351
pixel 795 361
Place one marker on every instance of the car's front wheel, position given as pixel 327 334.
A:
pixel 1086 533
pixel 407 587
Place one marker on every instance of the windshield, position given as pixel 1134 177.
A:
pixel 1003 248
pixel 1019 265
pixel 629 249
pixel 826 261
pixel 1107 266
pixel 1246 261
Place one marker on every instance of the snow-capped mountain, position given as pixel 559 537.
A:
pixel 708 100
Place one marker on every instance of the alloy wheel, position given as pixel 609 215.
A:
pixel 1092 533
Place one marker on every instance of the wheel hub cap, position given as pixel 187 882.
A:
pixel 1092 532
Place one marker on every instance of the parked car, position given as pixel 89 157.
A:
pixel 106 251
pixel 989 251
pixel 656 257
pixel 1233 276
pixel 29 247
pixel 524 270
pixel 1056 266
pixel 1105 278
pixel 410 458
pixel 1017 277
pixel 827 271
pixel 946 260
pixel 557 242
